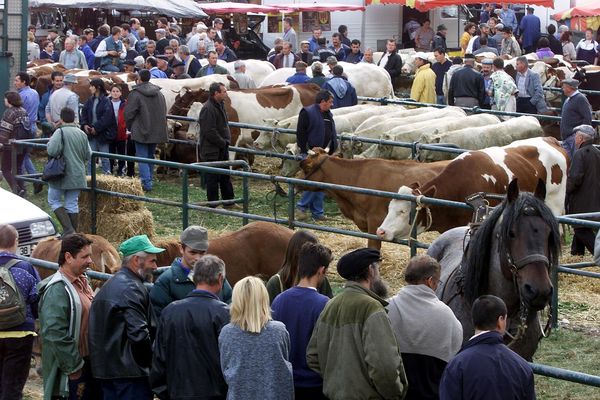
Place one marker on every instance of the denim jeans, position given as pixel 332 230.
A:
pixel 145 150
pixel 71 199
pixel 440 99
pixel 103 147
pixel 110 68
pixel 313 201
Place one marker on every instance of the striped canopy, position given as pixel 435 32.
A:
pixel 591 9
pixel 425 5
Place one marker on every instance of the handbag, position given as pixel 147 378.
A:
pixel 56 166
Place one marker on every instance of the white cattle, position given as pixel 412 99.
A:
pixel 369 80
pixel 471 138
pixel 408 62
pixel 279 141
pixel 377 126
pixel 420 131
pixel 170 88
pixel 258 70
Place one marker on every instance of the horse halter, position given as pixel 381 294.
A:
pixel 317 167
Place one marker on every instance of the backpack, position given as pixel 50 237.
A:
pixel 12 303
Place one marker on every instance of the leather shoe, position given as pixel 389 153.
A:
pixel 37 188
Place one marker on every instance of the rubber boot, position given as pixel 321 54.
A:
pixel 74 217
pixel 65 221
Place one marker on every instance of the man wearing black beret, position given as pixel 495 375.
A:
pixel 353 346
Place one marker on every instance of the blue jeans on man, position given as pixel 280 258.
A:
pixel 145 150
pixel 441 99
pixel 313 201
pixel 127 389
pixel 102 147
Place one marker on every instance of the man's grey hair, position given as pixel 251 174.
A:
pixel 184 49
pixel 369 49
pixel 207 270
pixel 151 42
pixel 587 131
pixel 174 42
pixel 238 65
pixel 141 254
pixel 278 41
pixel 317 67
pixel 523 59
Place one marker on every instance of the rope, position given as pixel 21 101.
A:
pixel 429 219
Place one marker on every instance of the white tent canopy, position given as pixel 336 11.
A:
pixel 172 8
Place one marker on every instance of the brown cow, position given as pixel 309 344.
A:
pixel 256 249
pixel 367 212
pixel 490 171
pixel 105 257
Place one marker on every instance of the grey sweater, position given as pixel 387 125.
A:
pixel 257 366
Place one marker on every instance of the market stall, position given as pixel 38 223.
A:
pixel 582 17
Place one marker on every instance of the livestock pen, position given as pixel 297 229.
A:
pixel 290 220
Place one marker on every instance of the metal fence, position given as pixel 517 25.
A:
pixel 290 221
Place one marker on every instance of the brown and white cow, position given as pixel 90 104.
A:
pixel 253 106
pixel 367 212
pixel 244 251
pixel 489 170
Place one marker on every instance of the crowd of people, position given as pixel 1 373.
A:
pixel 289 338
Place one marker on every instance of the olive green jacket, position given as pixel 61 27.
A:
pixel 76 152
pixel 354 348
pixel 60 321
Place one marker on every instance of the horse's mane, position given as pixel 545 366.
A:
pixel 477 259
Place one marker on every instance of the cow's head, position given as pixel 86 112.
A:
pixel 290 167
pixel 349 148
pixel 397 223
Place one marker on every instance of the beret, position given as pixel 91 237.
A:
pixel 355 262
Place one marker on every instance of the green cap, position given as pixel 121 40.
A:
pixel 137 244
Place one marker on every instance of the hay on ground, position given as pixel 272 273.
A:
pixel 118 227
pixel 110 204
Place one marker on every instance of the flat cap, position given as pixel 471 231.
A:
pixel 586 129
pixel 195 237
pixel 574 83
pixel 354 263
pixel 161 30
pixel 499 27
pixel 442 27
pixel 483 25
pixel 469 56
pixel 422 56
pixel 162 57
pixel 178 64
pixel 129 62
pixel 218 21
pixel 487 61
pixel 332 60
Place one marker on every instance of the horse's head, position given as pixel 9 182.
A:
pixel 512 253
pixel 530 243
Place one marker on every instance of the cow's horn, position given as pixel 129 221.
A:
pixel 327 150
pixel 311 153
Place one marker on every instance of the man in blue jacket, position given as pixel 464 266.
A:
pixel 485 368
pixel 316 128
pixel 344 94
pixel 300 75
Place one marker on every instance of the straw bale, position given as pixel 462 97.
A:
pixel 118 227
pixel 110 204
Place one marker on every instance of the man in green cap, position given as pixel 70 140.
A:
pixel 119 337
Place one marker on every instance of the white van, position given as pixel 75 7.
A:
pixel 32 223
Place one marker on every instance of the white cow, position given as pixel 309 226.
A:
pixel 416 131
pixel 279 141
pixel 408 60
pixel 377 126
pixel 471 138
pixel 170 88
pixel 369 80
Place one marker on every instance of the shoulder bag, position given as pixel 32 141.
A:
pixel 56 166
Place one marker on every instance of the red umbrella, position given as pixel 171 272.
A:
pixel 591 9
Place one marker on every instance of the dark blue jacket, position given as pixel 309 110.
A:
pixel 89 55
pixel 298 77
pixel 344 94
pixel 106 124
pixel 488 370
pixel 310 131
pixel 43 103
pixel 26 278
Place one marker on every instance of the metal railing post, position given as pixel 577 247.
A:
pixel 246 198
pixel 412 239
pixel 291 205
pixel 94 199
pixel 185 199
pixel 554 300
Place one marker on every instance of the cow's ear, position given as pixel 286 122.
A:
pixel 414 185
pixel 540 190
pixel 429 192
pixel 513 190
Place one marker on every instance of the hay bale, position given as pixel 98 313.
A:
pixel 110 204
pixel 118 227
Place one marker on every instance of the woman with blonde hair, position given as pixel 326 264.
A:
pixel 254 348
pixel 469 32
